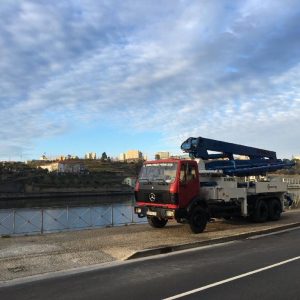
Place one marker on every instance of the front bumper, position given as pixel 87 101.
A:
pixel 160 212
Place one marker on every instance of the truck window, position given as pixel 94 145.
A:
pixel 187 173
pixel 183 173
pixel 191 172
pixel 165 172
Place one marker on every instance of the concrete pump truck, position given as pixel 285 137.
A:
pixel 210 185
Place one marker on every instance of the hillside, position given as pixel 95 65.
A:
pixel 20 177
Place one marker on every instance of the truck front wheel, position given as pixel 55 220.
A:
pixel 198 220
pixel 157 222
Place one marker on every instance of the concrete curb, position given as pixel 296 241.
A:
pixel 168 249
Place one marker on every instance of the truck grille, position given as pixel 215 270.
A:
pixel 153 197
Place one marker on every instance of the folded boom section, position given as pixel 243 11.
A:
pixel 259 161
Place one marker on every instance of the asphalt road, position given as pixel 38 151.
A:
pixel 267 267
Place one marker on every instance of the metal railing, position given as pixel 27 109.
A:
pixel 23 221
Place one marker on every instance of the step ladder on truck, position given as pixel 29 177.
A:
pixel 211 185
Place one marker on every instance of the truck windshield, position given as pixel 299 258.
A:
pixel 164 172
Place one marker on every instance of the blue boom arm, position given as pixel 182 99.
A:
pixel 260 161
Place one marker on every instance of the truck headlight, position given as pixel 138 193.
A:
pixel 138 210
pixel 170 213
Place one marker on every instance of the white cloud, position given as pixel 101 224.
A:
pixel 225 71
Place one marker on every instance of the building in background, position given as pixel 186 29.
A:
pixel 131 156
pixel 122 157
pixel 64 167
pixel 134 154
pixel 90 155
pixel 162 155
pixel 131 181
pixel 45 157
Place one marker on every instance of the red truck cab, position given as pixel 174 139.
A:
pixel 169 189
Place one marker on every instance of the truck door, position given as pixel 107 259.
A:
pixel 188 183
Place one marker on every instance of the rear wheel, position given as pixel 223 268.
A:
pixel 261 212
pixel 157 222
pixel 198 220
pixel 275 210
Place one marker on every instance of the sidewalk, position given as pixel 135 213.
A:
pixel 31 255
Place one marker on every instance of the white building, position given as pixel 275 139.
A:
pixel 90 155
pixel 64 167
pixel 131 181
pixel 122 157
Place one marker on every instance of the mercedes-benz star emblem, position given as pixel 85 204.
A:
pixel 152 197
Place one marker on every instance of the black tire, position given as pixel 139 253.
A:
pixel 157 222
pixel 261 212
pixel 198 220
pixel 275 210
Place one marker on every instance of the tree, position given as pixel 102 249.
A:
pixel 104 156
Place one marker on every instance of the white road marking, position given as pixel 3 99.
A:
pixel 254 237
pixel 231 279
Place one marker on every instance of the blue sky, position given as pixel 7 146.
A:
pixel 81 76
